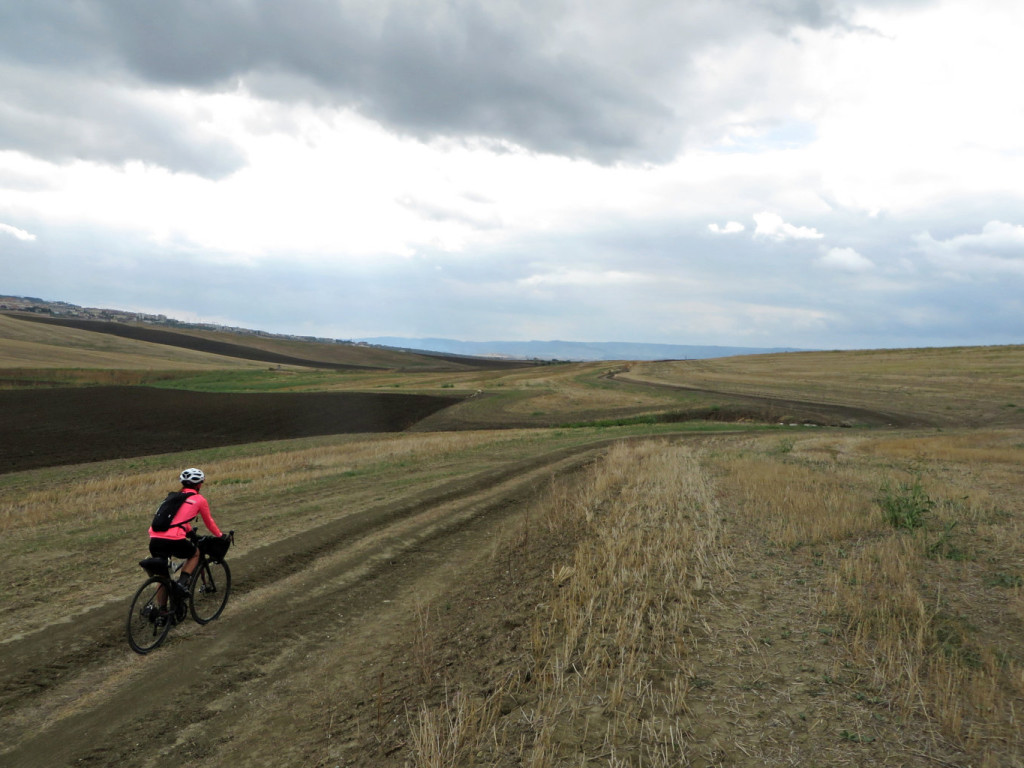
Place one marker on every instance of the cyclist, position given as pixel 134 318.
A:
pixel 176 541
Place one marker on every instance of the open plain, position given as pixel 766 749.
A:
pixel 801 559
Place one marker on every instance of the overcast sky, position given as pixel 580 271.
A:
pixel 802 173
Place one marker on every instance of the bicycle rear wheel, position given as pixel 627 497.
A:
pixel 211 585
pixel 148 624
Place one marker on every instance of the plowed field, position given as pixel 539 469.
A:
pixel 52 427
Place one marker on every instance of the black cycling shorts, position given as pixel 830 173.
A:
pixel 182 548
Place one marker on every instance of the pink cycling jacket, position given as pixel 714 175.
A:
pixel 194 505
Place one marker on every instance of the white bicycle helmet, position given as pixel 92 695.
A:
pixel 193 476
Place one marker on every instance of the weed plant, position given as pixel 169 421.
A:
pixel 905 504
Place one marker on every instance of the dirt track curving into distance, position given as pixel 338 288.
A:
pixel 769 408
pixel 74 694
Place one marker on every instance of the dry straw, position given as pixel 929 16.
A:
pixel 609 673
pixel 913 620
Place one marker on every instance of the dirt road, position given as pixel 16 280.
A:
pixel 770 408
pixel 73 694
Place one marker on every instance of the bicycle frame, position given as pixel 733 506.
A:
pixel 158 604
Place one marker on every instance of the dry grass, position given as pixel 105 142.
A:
pixel 609 675
pixel 87 500
pixel 935 613
pixel 954 385
pixel 973 448
pixel 796 504
pixel 34 345
pixel 930 616
pixel 28 344
pixel 871 645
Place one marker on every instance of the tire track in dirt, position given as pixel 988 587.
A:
pixel 74 694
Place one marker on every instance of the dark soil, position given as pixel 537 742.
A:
pixel 483 363
pixel 45 428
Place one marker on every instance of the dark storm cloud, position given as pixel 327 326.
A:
pixel 602 80
pixel 71 118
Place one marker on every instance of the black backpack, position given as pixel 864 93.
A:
pixel 168 509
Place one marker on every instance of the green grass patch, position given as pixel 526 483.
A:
pixel 904 505
pixel 251 381
pixel 1004 580
pixel 677 420
pixel 627 421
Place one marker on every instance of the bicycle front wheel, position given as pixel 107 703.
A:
pixel 148 623
pixel 211 585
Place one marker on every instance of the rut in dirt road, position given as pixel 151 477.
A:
pixel 74 692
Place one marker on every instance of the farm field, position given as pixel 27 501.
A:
pixel 755 561
pixel 955 386
pixel 73 425
pixel 251 347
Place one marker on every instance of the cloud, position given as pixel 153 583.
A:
pixel 997 239
pixel 998 248
pixel 579 278
pixel 771 226
pixel 845 259
pixel 588 79
pixel 75 117
pixel 524 164
pixel 20 234
pixel 730 228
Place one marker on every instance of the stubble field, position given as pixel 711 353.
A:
pixel 642 590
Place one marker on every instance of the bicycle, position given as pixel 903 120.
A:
pixel 159 603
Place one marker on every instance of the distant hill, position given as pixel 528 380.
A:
pixel 353 354
pixel 569 350
pixel 221 341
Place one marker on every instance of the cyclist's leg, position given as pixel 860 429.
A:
pixel 182 549
pixel 189 568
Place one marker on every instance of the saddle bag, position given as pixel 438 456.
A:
pixel 155 566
